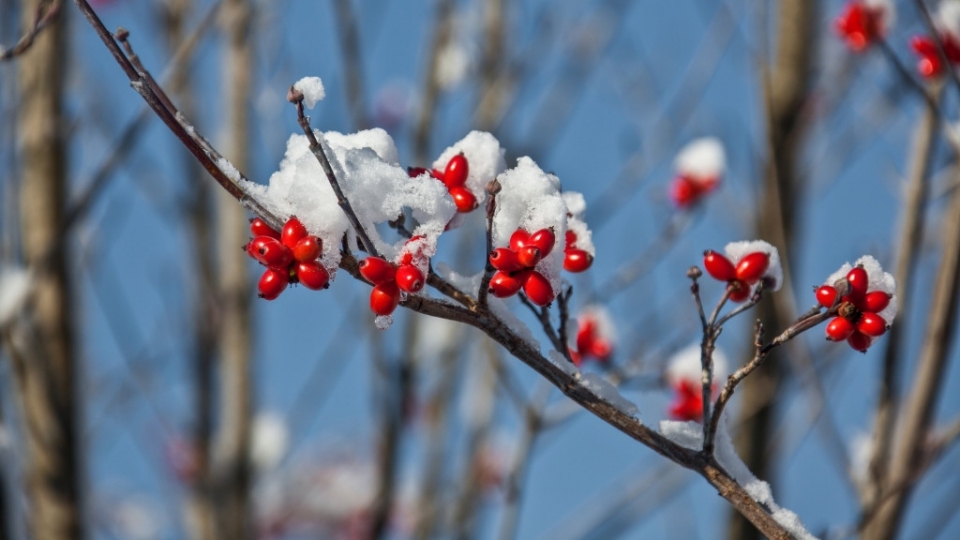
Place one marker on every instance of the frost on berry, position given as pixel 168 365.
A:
pixel 699 167
pixel 773 276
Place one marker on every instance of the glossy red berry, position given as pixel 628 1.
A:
pixel 684 192
pixel 519 239
pixel 826 295
pixel 858 283
pixel 308 248
pixel 576 260
pixel 752 267
pixel 739 291
pixel 292 232
pixel 409 278
pixel 871 324
pixel 875 301
pixel 504 284
pixel 464 199
pixel 718 266
pixel 571 239
pixel 253 246
pixel 544 239
pixel 259 227
pixel 272 283
pixel 538 289
pixel 377 270
pixel 313 275
pixel 859 341
pixel 455 175
pixel 529 256
pixel 505 259
pixel 839 329
pixel 274 254
pixel 384 298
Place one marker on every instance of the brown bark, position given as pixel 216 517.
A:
pixel 787 85
pixel 232 458
pixel 48 381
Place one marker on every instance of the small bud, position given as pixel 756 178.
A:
pixel 694 272
pixel 294 95
pixel 122 33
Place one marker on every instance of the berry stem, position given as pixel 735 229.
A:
pixel 296 97
pixel 493 188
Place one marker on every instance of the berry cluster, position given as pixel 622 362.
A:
pixel 592 340
pixel 862 24
pixel 684 375
pixel 699 165
pixel 741 277
pixel 858 320
pixel 575 259
pixel 289 255
pixel 390 280
pixel 454 176
pixel 687 403
pixel 930 64
pixel 515 266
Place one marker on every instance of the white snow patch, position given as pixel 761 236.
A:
pixel 738 250
pixel 685 365
pixel 228 169
pixel 453 64
pixel 576 204
pixel 312 90
pixel 687 434
pixel 484 161
pixel 269 440
pixel 557 359
pixel 16 283
pixel 366 168
pixel 584 235
pixel 607 392
pixel 701 159
pixel 861 450
pixel 878 280
pixel 948 17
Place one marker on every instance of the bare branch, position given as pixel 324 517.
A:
pixel 46 13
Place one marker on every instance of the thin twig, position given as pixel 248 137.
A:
pixel 46 14
pixel 493 188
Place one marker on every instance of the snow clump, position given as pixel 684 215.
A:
pixel 312 90
pixel 773 278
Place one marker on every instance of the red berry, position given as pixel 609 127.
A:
pixel 858 283
pixel 718 266
pixel 529 256
pixel 464 199
pixel 826 295
pixel 293 231
pixel 504 284
pixel 683 192
pixel 859 341
pixel 752 267
pixel 600 349
pixel 585 335
pixel 259 227
pixel 313 275
pixel 576 260
pixel 414 172
pixel 739 291
pixel 505 259
pixel 384 298
pixel 538 289
pixel 253 246
pixel 457 170
pixel 875 301
pixel 839 329
pixel 274 254
pixel 409 278
pixel 570 238
pixel 518 239
pixel 308 249
pixel 871 324
pixel 377 271
pixel 272 283
pixel 544 239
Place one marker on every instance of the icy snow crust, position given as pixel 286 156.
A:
pixel 607 392
pixel 312 90
pixel 485 159
pixel 701 159
pixel 690 435
pixel 684 365
pixel 738 250
pixel 367 168
pixel 878 280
